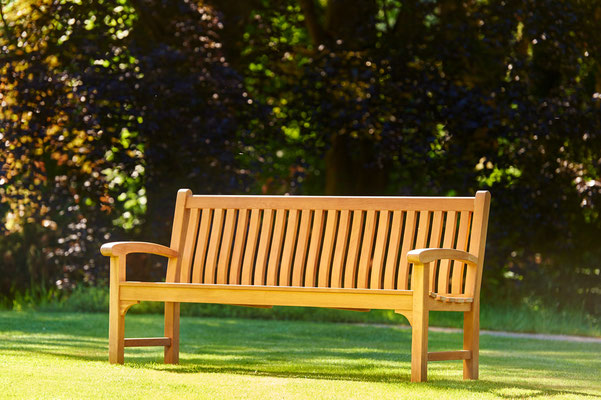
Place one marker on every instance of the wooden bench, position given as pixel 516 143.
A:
pixel 407 254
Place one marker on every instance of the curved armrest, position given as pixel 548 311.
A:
pixel 114 249
pixel 424 256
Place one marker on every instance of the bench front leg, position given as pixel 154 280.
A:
pixel 172 332
pixel 419 324
pixel 116 318
pixel 471 341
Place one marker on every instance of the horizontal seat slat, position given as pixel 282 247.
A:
pixel 381 299
pixel 333 203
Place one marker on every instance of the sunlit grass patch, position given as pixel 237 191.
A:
pixel 64 355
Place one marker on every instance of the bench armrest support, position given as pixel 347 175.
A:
pixel 115 249
pixel 424 256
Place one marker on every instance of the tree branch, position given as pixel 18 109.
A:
pixel 316 31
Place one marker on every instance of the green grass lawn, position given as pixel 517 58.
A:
pixel 64 356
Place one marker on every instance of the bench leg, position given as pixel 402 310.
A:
pixel 471 342
pixel 116 318
pixel 116 335
pixel 419 347
pixel 172 331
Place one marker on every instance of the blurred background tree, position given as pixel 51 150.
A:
pixel 109 107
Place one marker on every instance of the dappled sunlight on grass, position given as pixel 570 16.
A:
pixel 310 357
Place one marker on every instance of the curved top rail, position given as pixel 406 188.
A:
pixel 332 202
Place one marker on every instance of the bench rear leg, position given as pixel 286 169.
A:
pixel 172 331
pixel 471 342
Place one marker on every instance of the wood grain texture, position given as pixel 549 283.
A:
pixel 302 247
pixel 145 342
pixel 419 326
pixel 276 248
pixel 365 259
pixel 288 252
pixel 450 233
pixel 435 242
pixel 225 251
pixel 239 242
pixel 116 319
pixel 114 249
pixel 314 247
pixel 201 245
pixel 377 269
pixel 268 295
pixel 327 249
pixel 187 256
pixel 462 238
pixel 408 238
pixel 251 248
pixel 180 224
pixel 171 329
pixel 449 355
pixel 392 261
pixel 340 251
pixel 350 275
pixel 333 203
pixel 213 251
pixel 478 242
pixel 263 249
pixel 429 255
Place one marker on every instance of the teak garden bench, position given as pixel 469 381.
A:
pixel 408 254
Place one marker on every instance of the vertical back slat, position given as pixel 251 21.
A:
pixel 250 248
pixel 226 246
pixel 435 237
pixel 201 245
pixel 288 252
pixel 393 249
pixel 408 238
pixel 314 246
pixel 301 248
pixel 191 234
pixel 450 232
pixel 422 231
pixel 327 249
pixel 276 248
pixel 350 271
pixel 478 243
pixel 211 264
pixel 462 238
pixel 340 251
pixel 239 240
pixel 366 250
pixel 180 225
pixel 262 251
pixel 377 269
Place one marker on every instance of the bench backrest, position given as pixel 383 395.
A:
pixel 337 242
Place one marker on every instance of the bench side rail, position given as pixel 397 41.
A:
pixel 314 241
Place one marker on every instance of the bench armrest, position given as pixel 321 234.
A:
pixel 424 256
pixel 115 249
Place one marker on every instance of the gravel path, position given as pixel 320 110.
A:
pixel 540 336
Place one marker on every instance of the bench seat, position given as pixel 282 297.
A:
pixel 268 296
